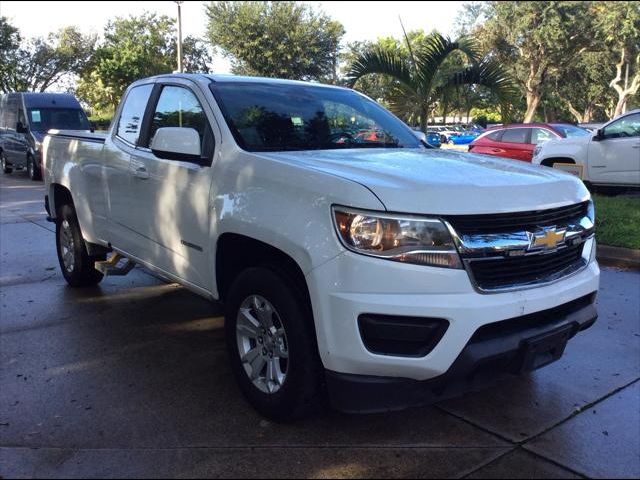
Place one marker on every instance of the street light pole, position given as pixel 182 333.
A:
pixel 179 37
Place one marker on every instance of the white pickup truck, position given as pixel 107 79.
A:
pixel 355 263
pixel 608 157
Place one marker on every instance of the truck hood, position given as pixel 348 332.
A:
pixel 444 182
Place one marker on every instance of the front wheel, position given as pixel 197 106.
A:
pixel 3 164
pixel 272 346
pixel 76 264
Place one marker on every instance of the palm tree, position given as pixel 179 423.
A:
pixel 419 81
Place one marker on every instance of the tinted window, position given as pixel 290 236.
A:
pixel 279 117
pixel 541 135
pixel 44 119
pixel 628 126
pixel 179 107
pixel 133 113
pixel 515 135
pixel 495 136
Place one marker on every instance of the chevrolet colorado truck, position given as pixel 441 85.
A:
pixel 371 271
pixel 609 157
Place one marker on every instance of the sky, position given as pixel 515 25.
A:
pixel 361 20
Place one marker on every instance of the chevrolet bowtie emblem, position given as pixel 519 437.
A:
pixel 549 239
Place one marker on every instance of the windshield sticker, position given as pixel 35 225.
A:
pixel 35 116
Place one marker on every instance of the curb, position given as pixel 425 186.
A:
pixel 618 257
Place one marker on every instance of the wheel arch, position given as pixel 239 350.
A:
pixel 59 195
pixel 236 252
pixel 548 162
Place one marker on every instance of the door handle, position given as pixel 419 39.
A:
pixel 141 172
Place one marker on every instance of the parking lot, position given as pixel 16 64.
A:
pixel 131 379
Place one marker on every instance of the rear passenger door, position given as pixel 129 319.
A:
pixel 172 196
pixel 123 202
pixel 515 142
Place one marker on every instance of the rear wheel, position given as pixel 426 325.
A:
pixel 4 165
pixel 272 345
pixel 76 264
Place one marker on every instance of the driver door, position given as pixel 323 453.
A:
pixel 615 158
pixel 172 196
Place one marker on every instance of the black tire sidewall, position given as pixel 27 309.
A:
pixel 83 273
pixel 297 396
pixel 3 161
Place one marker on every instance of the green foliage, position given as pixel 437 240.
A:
pixel 102 121
pixel 276 39
pixel 618 221
pixel 39 63
pixel 486 116
pixel 532 38
pixel 136 47
pixel 432 68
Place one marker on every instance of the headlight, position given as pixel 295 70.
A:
pixel 408 239
pixel 591 211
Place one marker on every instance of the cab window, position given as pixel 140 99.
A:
pixel 628 126
pixel 132 114
pixel 179 107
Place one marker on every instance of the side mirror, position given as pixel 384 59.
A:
pixel 20 128
pixel 420 135
pixel 599 135
pixel 177 143
pixel 92 127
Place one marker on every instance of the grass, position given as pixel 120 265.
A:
pixel 618 221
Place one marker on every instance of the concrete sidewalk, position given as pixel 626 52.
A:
pixel 131 379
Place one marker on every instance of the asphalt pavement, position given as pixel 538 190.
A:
pixel 131 379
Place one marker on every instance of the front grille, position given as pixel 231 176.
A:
pixel 506 272
pixel 517 221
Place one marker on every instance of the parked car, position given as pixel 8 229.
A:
pixel 379 271
pixel 446 132
pixel 463 138
pixel 608 157
pixel 517 141
pixel 25 118
pixel 431 137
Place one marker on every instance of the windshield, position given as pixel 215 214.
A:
pixel 569 131
pixel 280 117
pixel 44 119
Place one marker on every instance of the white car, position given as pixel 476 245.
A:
pixel 350 258
pixel 609 157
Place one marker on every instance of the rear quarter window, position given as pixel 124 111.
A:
pixel 130 121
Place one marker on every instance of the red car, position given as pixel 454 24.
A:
pixel 517 141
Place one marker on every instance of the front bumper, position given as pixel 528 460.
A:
pixel 351 285
pixel 508 347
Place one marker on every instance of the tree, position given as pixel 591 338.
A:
pixel 581 86
pixel 618 26
pixel 133 48
pixel 276 39
pixel 534 37
pixel 39 63
pixel 419 80
pixel 9 49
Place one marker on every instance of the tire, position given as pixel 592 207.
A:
pixel 32 169
pixel 298 394
pixel 3 164
pixel 76 264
